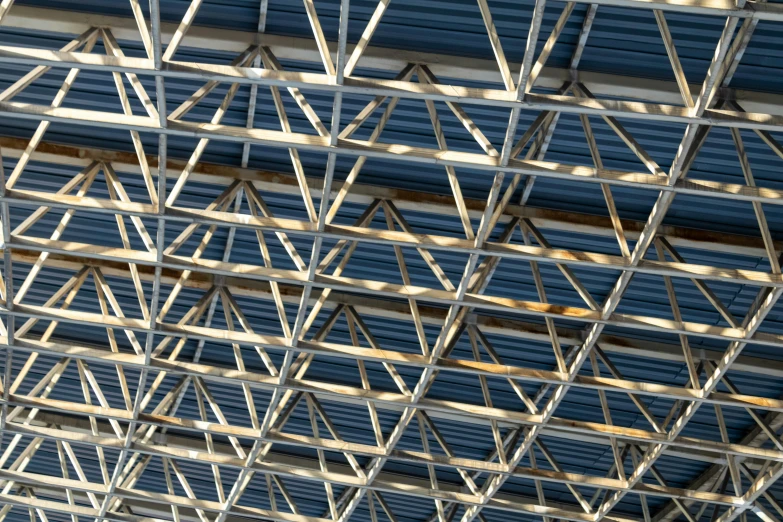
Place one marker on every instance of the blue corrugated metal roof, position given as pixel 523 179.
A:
pixel 623 41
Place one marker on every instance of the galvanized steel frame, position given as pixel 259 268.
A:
pixel 132 431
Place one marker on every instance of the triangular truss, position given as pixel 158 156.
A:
pixel 316 345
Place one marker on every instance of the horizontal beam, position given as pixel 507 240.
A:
pixel 468 412
pixel 135 494
pixel 389 484
pixel 546 219
pixel 443 66
pixel 431 242
pixel 262 514
pixel 361 148
pixel 185 441
pixel 365 287
pixel 434 316
pixel 404 359
pixel 224 457
pixel 28 198
pixel 309 474
pixel 363 86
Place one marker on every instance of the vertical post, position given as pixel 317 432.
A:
pixel 157 53
pixel 244 477
pixel 8 279
pixel 160 238
pixel 327 187
pixel 251 108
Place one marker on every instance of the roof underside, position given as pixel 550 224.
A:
pixel 557 330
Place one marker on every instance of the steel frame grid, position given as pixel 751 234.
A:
pixel 151 342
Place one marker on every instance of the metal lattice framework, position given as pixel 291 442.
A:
pixel 191 301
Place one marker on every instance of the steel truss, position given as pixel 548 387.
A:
pixel 191 304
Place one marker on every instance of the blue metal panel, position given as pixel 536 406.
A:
pixel 622 42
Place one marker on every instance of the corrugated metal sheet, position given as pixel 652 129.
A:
pixel 623 41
